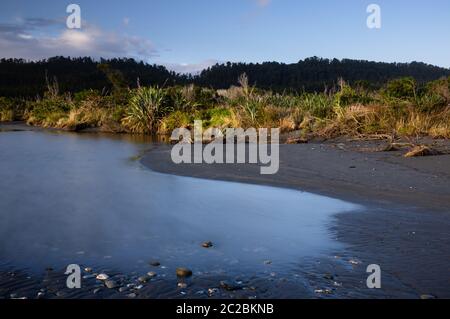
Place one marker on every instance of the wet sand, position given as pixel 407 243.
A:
pixel 404 227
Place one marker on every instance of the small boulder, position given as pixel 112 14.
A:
pixel 207 244
pixel 110 284
pixel 102 277
pixel 155 263
pixel 184 272
pixel 144 279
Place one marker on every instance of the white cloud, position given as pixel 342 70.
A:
pixel 190 68
pixel 30 39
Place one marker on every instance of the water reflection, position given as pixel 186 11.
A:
pixel 78 198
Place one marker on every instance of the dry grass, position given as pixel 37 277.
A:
pixel 364 121
pixel 6 115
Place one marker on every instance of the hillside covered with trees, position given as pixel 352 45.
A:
pixel 20 78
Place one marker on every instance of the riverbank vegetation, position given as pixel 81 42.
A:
pixel 400 107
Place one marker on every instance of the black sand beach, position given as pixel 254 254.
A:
pixel 405 226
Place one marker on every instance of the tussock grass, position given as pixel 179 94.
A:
pixel 401 108
pixel 147 107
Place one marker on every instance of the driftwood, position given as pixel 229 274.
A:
pixel 297 140
pixel 422 150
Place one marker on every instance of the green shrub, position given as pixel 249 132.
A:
pixel 6 109
pixel 404 88
pixel 177 119
pixel 318 105
pixel 219 118
pixel 80 98
pixel 147 107
pixel 430 102
pixel 48 111
pixel 349 96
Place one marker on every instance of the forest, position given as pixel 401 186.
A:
pixel 21 78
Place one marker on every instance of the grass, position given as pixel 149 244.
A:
pixel 402 108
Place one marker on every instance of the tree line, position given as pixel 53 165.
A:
pixel 22 78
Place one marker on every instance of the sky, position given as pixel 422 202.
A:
pixel 189 35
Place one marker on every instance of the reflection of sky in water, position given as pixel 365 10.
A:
pixel 67 198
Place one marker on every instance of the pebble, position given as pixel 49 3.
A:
pixel 139 287
pixel 354 262
pixel 110 284
pixel 207 244
pixel 182 285
pixel 155 263
pixel 184 272
pixel 323 291
pixel 328 276
pixel 229 287
pixel 40 295
pixel 132 295
pixel 152 274
pixel 123 289
pixel 144 279
pixel 88 269
pixel 212 291
pixel 102 277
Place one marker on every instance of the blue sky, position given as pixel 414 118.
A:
pixel 187 35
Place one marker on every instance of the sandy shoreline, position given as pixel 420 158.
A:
pixel 404 227
pixel 336 170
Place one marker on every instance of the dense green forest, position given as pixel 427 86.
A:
pixel 316 74
pixel 21 78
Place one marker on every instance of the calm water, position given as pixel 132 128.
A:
pixel 85 199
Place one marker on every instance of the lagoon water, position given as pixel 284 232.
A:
pixel 85 199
